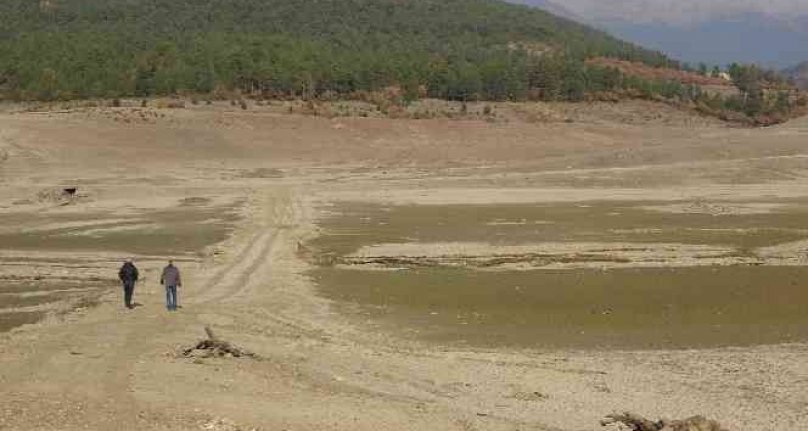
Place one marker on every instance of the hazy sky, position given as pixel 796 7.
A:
pixel 681 11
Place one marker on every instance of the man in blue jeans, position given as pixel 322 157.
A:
pixel 171 280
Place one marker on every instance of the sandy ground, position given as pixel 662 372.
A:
pixel 104 367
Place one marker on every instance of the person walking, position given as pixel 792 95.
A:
pixel 171 280
pixel 128 275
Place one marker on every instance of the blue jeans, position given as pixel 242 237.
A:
pixel 171 298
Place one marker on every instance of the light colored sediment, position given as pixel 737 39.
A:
pixel 496 195
pixel 793 252
pixel 109 368
pixel 719 208
pixel 570 255
pixel 558 255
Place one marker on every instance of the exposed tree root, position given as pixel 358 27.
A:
pixel 213 347
pixel 636 422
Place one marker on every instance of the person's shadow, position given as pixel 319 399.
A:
pixel 136 305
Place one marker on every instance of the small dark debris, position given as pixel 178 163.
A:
pixel 263 173
pixel 60 196
pixel 638 423
pixel 194 201
pixel 530 396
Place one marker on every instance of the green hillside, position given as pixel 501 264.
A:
pixel 455 49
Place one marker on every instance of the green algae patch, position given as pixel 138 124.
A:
pixel 657 308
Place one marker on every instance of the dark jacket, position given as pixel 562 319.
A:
pixel 171 276
pixel 128 272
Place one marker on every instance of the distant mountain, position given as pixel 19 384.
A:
pixel 748 38
pixel 553 8
pixel 682 12
pixel 799 74
pixel 772 33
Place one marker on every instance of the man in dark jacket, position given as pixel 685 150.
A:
pixel 128 275
pixel 171 280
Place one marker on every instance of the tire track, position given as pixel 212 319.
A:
pixel 252 256
pixel 276 211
